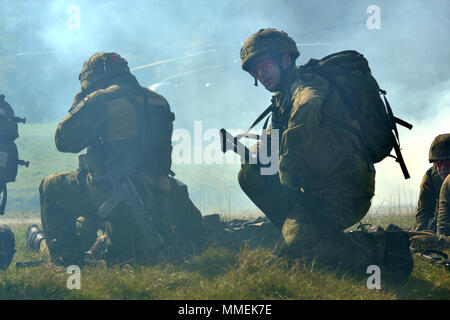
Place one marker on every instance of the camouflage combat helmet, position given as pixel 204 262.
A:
pixel 101 66
pixel 267 41
pixel 440 148
pixel 7 244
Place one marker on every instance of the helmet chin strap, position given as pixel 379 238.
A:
pixel 256 81
pixel 283 72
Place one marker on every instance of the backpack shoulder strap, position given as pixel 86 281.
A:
pixel 395 137
pixel 267 111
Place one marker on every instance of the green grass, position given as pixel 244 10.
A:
pixel 216 274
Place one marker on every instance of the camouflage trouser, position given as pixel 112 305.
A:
pixel 70 199
pixel 305 234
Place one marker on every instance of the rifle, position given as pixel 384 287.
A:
pixel 229 142
pixel 435 257
pixel 118 175
pixel 28 264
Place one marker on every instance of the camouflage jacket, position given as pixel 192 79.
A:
pixel 116 121
pixel 443 219
pixel 314 152
pixel 428 198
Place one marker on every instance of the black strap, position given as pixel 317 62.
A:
pixel 266 112
pixel 270 108
pixel 5 197
pixel 396 120
pixel 142 112
pixel 395 137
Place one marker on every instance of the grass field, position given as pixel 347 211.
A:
pixel 217 274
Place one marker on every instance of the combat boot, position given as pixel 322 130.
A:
pixel 34 238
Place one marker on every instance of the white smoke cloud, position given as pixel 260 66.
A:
pixel 408 56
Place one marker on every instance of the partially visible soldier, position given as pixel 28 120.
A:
pixel 7 246
pixel 9 162
pixel 127 131
pixel 9 156
pixel 439 156
pixel 316 156
pixel 443 219
pixel 443 166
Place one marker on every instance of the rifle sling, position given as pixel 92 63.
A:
pixel 395 138
pixel 266 112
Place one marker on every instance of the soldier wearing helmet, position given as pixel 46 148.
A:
pixel 314 156
pixel 121 125
pixel 439 156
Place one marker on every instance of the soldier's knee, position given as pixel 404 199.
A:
pixel 47 185
pixel 242 179
pixel 51 185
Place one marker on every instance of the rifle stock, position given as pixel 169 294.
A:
pixel 229 142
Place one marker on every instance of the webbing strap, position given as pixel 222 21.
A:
pixel 395 136
pixel 266 112
pixel 5 197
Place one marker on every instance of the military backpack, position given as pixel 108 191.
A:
pixel 349 72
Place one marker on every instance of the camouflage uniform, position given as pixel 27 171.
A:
pixel 316 156
pixel 427 211
pixel 443 219
pixel 124 119
pixel 428 199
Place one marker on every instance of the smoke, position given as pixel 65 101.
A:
pixel 45 43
